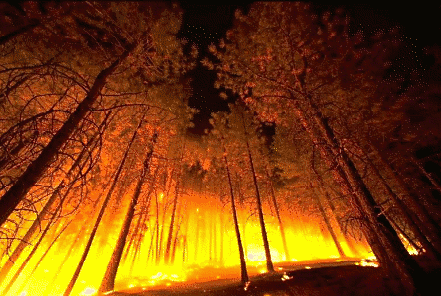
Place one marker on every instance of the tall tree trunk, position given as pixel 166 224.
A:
pixel 430 249
pixel 398 260
pixel 269 262
pixel 101 213
pixel 39 166
pixel 426 174
pixel 244 217
pixel 44 254
pixel 328 224
pixel 108 282
pixel 132 239
pixel 243 267
pixel 143 227
pixel 164 211
pixel 150 251
pixel 279 218
pixel 29 234
pixel 72 248
pixel 349 242
pixel 42 215
pixel 426 223
pixel 173 214
pixel 341 179
pixel 77 241
pixel 176 241
pixel 404 234
pixel 138 235
pixel 34 249
pixel 184 250
pixel 157 258
pixel 428 226
pixel 334 211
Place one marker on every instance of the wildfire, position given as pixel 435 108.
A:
pixel 201 245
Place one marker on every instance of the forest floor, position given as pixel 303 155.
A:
pixel 327 278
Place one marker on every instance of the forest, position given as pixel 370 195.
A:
pixel 324 145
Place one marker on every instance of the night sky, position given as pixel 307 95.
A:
pixel 206 24
pixel 203 25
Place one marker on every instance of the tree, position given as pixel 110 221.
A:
pixel 101 213
pixel 112 268
pixel 217 136
pixel 134 43
pixel 303 66
pixel 49 204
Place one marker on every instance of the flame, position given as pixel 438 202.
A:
pixel 203 242
pixel 88 291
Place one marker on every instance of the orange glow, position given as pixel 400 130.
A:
pixel 199 245
pixel 88 291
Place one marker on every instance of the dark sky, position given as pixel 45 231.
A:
pixel 205 24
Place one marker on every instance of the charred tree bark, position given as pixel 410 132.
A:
pixel 403 233
pixel 101 214
pixel 340 224
pixel 430 249
pixel 244 217
pixel 140 227
pixel 157 258
pixel 150 251
pixel 184 250
pixel 426 223
pixel 426 174
pixel 29 234
pixel 269 262
pixel 38 167
pixel 108 282
pixel 173 214
pixel 133 237
pixel 328 225
pixel 279 218
pixel 243 266
pixel 334 211
pixel 398 260
pixel 176 241
pixel 42 215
